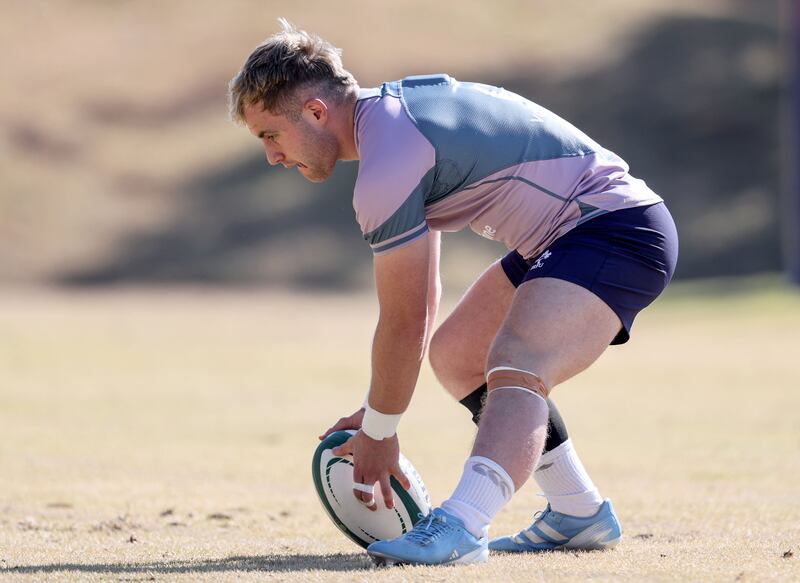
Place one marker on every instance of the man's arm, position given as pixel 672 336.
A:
pixel 402 283
pixel 433 296
pixel 401 279
pixel 434 282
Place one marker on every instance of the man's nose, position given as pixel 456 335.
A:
pixel 274 158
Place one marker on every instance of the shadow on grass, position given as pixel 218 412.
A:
pixel 267 563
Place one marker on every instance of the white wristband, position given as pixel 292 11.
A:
pixel 378 425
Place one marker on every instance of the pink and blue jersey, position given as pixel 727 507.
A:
pixel 440 154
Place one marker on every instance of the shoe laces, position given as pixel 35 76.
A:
pixel 428 529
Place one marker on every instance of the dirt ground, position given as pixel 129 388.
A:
pixel 167 436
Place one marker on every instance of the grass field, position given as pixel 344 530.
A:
pixel 167 436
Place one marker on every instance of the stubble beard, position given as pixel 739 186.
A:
pixel 320 164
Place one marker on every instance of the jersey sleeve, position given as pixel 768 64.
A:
pixel 393 176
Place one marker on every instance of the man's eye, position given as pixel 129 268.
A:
pixel 271 139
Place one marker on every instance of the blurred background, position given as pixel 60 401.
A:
pixel 118 164
pixel 161 285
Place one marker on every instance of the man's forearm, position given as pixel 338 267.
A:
pixel 434 297
pixel 397 351
pixel 434 284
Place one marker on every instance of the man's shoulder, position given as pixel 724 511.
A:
pixel 435 80
pixel 394 160
pixel 395 88
pixel 387 138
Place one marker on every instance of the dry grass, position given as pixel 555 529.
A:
pixel 160 436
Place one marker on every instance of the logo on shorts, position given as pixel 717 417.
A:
pixel 541 258
pixel 489 232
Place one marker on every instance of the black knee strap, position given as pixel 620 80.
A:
pixel 474 402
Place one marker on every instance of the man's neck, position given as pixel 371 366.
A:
pixel 347 130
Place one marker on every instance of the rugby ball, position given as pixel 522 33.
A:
pixel 333 480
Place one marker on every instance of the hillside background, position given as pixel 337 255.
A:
pixel 118 164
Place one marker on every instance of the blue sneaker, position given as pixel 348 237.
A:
pixel 438 539
pixel 552 531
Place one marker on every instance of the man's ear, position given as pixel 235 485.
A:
pixel 316 111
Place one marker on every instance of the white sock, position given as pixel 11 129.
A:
pixel 565 482
pixel 484 489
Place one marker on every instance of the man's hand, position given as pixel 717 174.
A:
pixel 351 422
pixel 374 461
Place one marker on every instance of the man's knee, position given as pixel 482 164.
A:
pixel 507 377
pixel 510 350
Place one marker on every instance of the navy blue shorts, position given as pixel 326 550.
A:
pixel 626 258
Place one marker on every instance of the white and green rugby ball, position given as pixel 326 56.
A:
pixel 333 480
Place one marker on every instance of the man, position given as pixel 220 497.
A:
pixel 590 247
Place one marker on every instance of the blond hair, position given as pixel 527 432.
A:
pixel 287 61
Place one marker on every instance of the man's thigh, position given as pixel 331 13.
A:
pixel 554 329
pixel 461 344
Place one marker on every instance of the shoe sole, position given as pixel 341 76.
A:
pixel 591 539
pixel 595 538
pixel 568 546
pixel 479 555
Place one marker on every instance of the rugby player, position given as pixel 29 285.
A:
pixel 589 247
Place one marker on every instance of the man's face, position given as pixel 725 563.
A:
pixel 306 143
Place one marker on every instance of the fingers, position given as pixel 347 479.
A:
pixel 340 424
pixel 365 493
pixel 386 490
pixel 402 478
pixel 327 433
pixel 345 449
pixel 351 422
